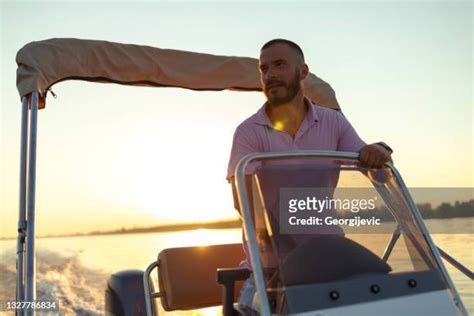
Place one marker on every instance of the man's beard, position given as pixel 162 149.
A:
pixel 292 90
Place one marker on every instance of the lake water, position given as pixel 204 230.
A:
pixel 74 270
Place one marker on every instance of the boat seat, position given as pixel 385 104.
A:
pixel 188 277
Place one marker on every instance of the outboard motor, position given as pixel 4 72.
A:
pixel 125 294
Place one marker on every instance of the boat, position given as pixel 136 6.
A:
pixel 323 270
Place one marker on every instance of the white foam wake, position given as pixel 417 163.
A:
pixel 78 290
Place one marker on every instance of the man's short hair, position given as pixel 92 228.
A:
pixel 293 45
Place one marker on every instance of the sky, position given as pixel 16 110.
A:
pixel 112 156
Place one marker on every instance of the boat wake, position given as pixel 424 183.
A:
pixel 77 289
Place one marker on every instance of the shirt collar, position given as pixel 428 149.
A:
pixel 263 119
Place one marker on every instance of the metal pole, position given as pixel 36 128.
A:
pixel 249 231
pixel 391 244
pixel 149 297
pixel 456 264
pixel 30 284
pixel 20 251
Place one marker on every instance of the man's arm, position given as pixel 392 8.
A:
pixel 371 156
pixel 243 143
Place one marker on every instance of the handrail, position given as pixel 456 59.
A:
pixel 149 296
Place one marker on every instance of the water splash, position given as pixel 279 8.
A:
pixel 78 290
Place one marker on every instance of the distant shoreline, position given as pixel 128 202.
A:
pixel 160 229
pixel 443 211
pixel 153 229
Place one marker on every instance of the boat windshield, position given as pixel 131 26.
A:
pixel 332 233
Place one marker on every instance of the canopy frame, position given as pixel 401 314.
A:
pixel 26 254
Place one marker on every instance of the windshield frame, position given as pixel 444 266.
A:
pixel 249 227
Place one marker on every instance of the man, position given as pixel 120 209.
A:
pixel 290 121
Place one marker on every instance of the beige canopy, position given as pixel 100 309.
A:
pixel 44 63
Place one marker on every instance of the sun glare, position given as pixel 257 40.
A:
pixel 178 179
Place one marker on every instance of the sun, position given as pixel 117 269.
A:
pixel 176 180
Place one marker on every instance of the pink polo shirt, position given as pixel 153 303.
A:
pixel 321 129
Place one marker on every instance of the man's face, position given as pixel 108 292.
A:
pixel 280 75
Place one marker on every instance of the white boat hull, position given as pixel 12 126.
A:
pixel 432 303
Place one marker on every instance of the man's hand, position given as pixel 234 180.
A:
pixel 374 156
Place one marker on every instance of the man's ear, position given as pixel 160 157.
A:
pixel 304 72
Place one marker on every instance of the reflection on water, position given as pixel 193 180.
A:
pixel 74 270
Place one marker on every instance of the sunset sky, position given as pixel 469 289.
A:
pixel 113 156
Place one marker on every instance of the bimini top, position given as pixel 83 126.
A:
pixel 44 63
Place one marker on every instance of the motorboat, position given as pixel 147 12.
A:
pixel 298 266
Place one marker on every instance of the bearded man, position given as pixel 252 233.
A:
pixel 290 121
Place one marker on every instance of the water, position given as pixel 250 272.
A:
pixel 74 270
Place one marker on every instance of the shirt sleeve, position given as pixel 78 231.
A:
pixel 349 140
pixel 244 143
